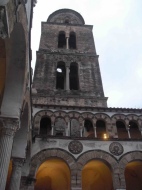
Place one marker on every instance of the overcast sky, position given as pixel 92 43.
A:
pixel 118 38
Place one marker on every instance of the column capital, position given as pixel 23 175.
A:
pixel 18 162
pixel 10 126
pixel 67 65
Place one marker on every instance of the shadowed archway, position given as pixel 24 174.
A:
pixel 53 174
pixel 96 175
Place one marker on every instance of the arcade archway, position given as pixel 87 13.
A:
pixel 133 175
pixel 96 175
pixel 53 174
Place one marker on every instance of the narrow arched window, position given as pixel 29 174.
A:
pixel 101 129
pixel 89 130
pixel 74 82
pixel 61 40
pixel 60 76
pixel 45 126
pixel 121 130
pixel 72 40
pixel 134 130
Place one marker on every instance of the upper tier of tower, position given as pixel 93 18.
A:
pixel 67 16
pixel 67 70
pixel 65 31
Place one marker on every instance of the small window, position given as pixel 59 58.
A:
pixel 66 21
pixel 72 40
pixel 134 130
pixel 74 82
pixel 61 40
pixel 60 76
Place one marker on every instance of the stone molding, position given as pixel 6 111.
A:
pixel 10 126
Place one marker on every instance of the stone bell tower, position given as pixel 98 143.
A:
pixel 67 70
pixel 76 137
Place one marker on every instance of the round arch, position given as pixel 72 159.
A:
pixel 53 173
pixel 44 155
pixel 103 156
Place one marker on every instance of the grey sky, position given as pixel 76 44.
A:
pixel 118 39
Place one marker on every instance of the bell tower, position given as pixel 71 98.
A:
pixel 67 70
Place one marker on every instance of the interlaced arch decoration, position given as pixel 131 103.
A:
pixel 119 117
pixel 102 116
pixel 44 155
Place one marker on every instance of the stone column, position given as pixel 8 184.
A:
pixel 128 130
pixel 67 40
pixel 52 125
pixel 7 132
pixel 95 133
pixel 17 164
pixel 67 77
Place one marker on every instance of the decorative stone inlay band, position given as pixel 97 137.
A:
pixel 10 126
pixel 75 147
pixel 116 148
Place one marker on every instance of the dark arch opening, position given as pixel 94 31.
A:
pixel 134 130
pixel 100 128
pixel 121 130
pixel 89 128
pixel 60 76
pixel 61 40
pixel 72 40
pixel 74 82
pixel 96 175
pixel 45 126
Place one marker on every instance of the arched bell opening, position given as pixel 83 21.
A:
pixel 60 76
pixel 101 129
pixel 2 68
pixel 61 40
pixel 45 126
pixel 74 81
pixel 134 130
pixel 133 175
pixel 96 175
pixel 72 40
pixel 53 174
pixel 121 130
pixel 88 129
